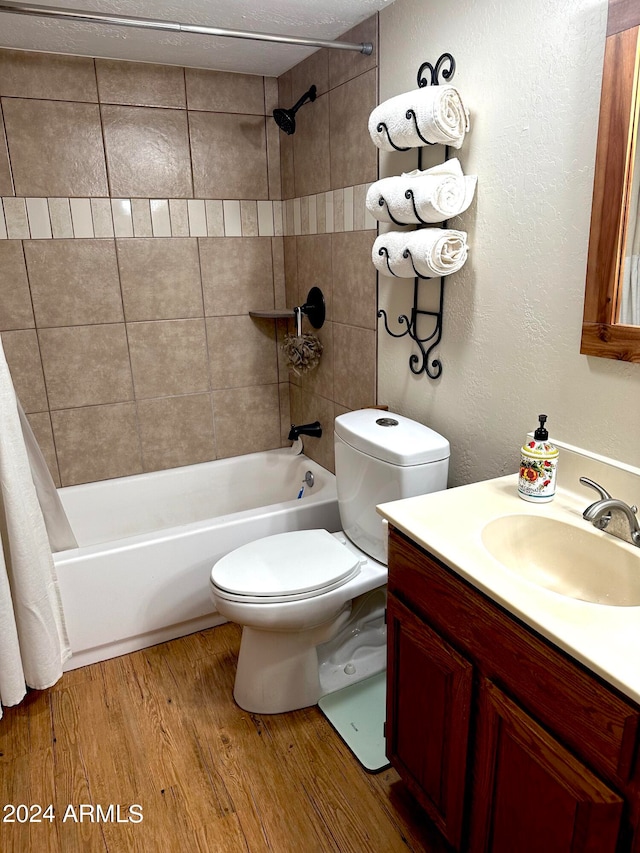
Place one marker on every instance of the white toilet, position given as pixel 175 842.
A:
pixel 312 603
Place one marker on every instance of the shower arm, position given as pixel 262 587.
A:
pixel 172 26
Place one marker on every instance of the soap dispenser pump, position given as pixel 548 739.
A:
pixel 538 467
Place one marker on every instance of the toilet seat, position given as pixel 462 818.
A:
pixel 285 567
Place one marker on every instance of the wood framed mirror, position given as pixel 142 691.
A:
pixel 602 332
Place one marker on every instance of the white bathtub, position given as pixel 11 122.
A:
pixel 147 544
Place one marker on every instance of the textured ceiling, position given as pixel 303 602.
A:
pixel 320 19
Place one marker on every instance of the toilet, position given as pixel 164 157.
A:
pixel 311 603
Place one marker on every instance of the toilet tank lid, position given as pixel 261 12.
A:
pixel 391 438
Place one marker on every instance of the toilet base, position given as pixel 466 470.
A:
pixel 278 670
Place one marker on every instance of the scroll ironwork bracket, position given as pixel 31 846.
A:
pixel 420 363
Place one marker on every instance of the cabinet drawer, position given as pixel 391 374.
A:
pixel 591 719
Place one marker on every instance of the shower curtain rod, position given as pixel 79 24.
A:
pixel 173 26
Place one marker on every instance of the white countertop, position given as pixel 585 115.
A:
pixel 449 525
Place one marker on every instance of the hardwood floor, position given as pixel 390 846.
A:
pixel 159 729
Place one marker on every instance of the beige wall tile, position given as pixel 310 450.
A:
pixel 242 351
pixel 354 290
pixel 15 298
pixel 232 218
pixel 285 412
pixel 121 208
pixel 147 152
pixel 215 217
pixel 160 217
pixel 271 94
pixel 287 175
pixel 15 214
pixel 311 148
pixel 197 216
pixel 160 278
pixel 55 147
pixel 48 76
pixel 246 420
pixel 141 216
pixel 97 443
pixel 23 357
pixel 40 423
pixel 60 217
pixel 229 156
pixel 81 217
pixel 306 408
pixel 285 90
pixel 74 282
pixel 102 217
pixel 314 268
pixel 6 184
pixel 140 84
pixel 344 64
pixel 273 160
pixel 224 92
pixel 86 365
pixel 176 431
pixel 291 271
pixel 179 216
pixel 283 328
pixel 237 274
pixel 249 218
pixel 354 160
pixel 312 71
pixel 277 254
pixel 319 381
pixel 38 216
pixel 286 101
pixel 168 357
pixel 354 371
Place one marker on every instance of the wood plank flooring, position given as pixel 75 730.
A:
pixel 159 728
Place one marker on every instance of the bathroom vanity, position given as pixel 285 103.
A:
pixel 512 710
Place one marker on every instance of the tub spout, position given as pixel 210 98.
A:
pixel 314 429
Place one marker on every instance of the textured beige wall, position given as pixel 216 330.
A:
pixel 530 73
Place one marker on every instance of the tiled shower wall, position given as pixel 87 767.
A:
pixel 331 154
pixel 141 222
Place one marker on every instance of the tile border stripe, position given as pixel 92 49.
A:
pixel 82 218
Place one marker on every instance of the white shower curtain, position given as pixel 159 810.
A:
pixel 33 638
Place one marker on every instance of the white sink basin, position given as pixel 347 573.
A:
pixel 572 561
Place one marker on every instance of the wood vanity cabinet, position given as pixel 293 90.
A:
pixel 509 744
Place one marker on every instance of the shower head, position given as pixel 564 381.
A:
pixel 286 119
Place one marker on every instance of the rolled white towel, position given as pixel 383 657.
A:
pixel 432 195
pixel 430 252
pixel 440 116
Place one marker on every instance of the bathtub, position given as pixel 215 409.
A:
pixel 147 543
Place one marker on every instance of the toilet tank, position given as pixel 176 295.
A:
pixel 381 456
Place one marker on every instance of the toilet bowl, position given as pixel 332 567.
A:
pixel 311 603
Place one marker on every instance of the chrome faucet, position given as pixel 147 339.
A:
pixel 604 515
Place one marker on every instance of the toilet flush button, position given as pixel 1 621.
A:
pixel 349 669
pixel 387 422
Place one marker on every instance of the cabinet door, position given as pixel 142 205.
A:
pixel 428 704
pixel 530 794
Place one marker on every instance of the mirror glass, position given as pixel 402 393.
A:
pixel 630 278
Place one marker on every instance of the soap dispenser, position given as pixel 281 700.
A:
pixel 538 465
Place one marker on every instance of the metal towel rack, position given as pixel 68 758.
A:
pixel 418 364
